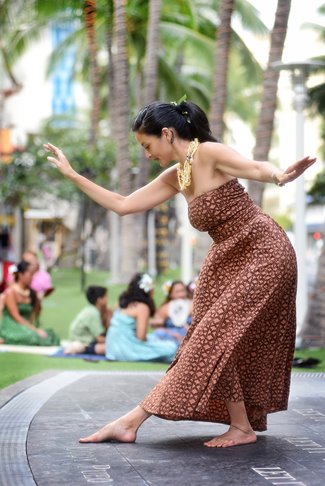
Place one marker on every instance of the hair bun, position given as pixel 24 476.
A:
pixel 182 109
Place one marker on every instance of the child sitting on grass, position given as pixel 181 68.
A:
pixel 89 327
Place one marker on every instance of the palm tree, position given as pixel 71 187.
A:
pixel 194 28
pixel 150 75
pixel 129 260
pixel 219 93
pixel 264 127
pixel 188 31
pixel 147 95
pixel 13 44
pixel 90 22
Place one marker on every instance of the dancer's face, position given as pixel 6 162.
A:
pixel 157 148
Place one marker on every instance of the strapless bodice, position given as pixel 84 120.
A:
pixel 223 210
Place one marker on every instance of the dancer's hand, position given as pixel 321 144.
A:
pixel 295 170
pixel 60 161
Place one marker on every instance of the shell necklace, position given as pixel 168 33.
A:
pixel 184 170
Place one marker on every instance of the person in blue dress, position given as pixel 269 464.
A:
pixel 127 337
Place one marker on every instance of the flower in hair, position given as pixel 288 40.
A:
pixel 146 283
pixel 176 103
pixel 183 98
pixel 192 285
pixel 181 111
pixel 167 286
pixel 12 269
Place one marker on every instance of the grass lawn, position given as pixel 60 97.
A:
pixel 61 307
pixel 17 366
pixel 67 300
pixel 58 311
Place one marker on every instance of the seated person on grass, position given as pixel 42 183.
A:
pixel 89 327
pixel 173 317
pixel 41 282
pixel 127 338
pixel 19 302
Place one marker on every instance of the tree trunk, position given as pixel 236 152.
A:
pixel 150 78
pixel 265 121
pixel 148 95
pixel 162 257
pixel 113 219
pixel 110 61
pixel 129 260
pixel 90 20
pixel 221 68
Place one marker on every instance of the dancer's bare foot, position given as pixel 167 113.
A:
pixel 233 437
pixel 124 429
pixel 114 431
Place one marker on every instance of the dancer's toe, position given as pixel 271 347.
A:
pixel 115 431
pixel 232 437
pixel 91 438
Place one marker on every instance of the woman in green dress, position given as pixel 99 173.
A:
pixel 20 304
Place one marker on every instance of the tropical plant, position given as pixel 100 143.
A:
pixel 188 30
pixel 219 93
pixel 29 177
pixel 265 122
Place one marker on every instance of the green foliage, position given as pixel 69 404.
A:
pixel 317 96
pixel 284 220
pixel 317 103
pixel 30 176
pixel 22 179
pixel 317 191
pixel 188 55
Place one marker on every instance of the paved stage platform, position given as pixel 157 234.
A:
pixel 42 418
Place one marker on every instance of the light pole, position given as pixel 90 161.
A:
pixel 299 75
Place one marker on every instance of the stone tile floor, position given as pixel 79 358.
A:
pixel 42 418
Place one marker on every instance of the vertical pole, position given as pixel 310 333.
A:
pixel 300 230
pixel 151 231
pixel 114 230
pixel 114 250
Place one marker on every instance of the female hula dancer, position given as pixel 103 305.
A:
pixel 234 364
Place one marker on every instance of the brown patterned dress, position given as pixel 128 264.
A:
pixel 240 344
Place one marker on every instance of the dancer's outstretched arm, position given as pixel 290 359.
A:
pixel 229 161
pixel 159 190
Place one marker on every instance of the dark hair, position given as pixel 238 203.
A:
pixel 95 292
pixel 134 294
pixel 22 267
pixel 187 118
pixel 172 285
